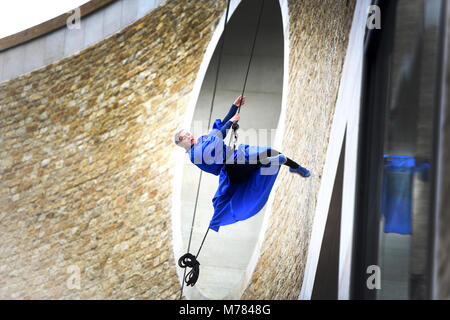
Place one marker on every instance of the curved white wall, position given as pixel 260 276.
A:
pixel 63 42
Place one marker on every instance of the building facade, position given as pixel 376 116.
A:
pixel 97 201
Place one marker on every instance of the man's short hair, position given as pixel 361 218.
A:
pixel 176 136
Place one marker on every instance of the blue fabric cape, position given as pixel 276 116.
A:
pixel 234 202
pixel 239 201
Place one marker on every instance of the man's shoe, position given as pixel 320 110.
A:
pixel 301 171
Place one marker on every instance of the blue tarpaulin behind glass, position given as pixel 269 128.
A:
pixel 396 201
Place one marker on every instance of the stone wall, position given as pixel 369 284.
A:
pixel 85 163
pixel 318 40
pixel 86 157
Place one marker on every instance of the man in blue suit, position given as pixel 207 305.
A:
pixel 245 178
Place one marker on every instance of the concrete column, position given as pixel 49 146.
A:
pixel 441 258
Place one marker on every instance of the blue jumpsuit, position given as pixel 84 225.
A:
pixel 232 202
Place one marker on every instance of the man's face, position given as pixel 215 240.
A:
pixel 186 139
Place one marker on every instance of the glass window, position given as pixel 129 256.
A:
pixel 394 211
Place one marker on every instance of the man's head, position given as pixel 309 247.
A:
pixel 184 139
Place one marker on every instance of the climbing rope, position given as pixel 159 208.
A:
pixel 235 125
pixel 188 260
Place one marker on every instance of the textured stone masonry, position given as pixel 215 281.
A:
pixel 318 32
pixel 85 161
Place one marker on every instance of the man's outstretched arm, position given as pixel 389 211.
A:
pixel 231 116
pixel 232 112
pixel 228 124
pixel 233 109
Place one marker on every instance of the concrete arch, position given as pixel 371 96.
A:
pixel 199 96
pixel 87 161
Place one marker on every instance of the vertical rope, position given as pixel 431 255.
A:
pixel 186 259
pixel 235 125
pixel 252 51
pixel 201 245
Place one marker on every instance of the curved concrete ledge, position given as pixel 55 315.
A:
pixel 48 26
pixel 39 50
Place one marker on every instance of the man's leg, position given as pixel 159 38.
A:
pixel 274 155
pixel 240 172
